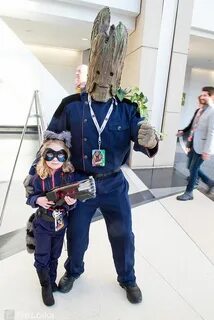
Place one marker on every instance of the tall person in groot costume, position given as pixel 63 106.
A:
pixel 102 125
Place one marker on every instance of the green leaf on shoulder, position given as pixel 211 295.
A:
pixel 121 93
pixel 137 96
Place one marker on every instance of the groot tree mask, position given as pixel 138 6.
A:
pixel 106 58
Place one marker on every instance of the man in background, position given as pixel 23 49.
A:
pixel 200 142
pixel 81 78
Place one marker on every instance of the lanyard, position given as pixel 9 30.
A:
pixel 100 129
pixel 196 122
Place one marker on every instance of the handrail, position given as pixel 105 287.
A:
pixel 41 128
pixel 40 118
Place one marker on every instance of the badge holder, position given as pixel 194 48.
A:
pixel 98 158
pixel 58 220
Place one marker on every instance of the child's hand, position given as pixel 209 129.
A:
pixel 44 202
pixel 69 200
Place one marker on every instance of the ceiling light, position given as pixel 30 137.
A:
pixel 84 39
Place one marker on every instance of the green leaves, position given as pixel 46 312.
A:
pixel 137 96
pixel 122 93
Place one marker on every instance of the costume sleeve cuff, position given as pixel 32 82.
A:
pixel 149 152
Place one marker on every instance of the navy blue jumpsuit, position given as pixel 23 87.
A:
pixel 48 242
pixel 73 114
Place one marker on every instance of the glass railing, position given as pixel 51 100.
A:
pixel 183 144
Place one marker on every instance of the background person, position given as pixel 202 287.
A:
pixel 186 132
pixel 201 142
pixel 81 78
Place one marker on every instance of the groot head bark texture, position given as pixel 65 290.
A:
pixel 107 54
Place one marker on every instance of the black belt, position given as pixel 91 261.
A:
pixel 43 213
pixel 46 217
pixel 99 175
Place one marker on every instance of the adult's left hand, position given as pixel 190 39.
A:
pixel 146 136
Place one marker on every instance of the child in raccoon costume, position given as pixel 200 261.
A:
pixel 46 227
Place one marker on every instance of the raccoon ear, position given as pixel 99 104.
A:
pixel 64 136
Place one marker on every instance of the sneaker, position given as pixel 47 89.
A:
pixel 210 188
pixel 66 283
pixel 133 293
pixel 185 196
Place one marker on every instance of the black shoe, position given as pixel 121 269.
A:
pixel 47 294
pixel 66 283
pixel 185 196
pixel 54 287
pixel 133 293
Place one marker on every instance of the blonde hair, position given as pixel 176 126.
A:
pixel 42 168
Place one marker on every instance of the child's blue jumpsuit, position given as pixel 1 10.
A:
pixel 48 242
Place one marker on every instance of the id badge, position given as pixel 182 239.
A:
pixel 98 158
pixel 58 220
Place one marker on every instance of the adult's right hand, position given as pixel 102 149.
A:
pixel 147 136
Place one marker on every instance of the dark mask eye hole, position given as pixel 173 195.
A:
pixel 62 156
pixel 98 72
pixel 50 154
pixel 111 74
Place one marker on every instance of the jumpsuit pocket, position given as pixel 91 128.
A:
pixel 118 127
pixel 120 134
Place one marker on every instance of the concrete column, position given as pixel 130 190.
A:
pixel 85 56
pixel 156 63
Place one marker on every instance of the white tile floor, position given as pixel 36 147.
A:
pixel 196 218
pixel 176 277
pixel 135 183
